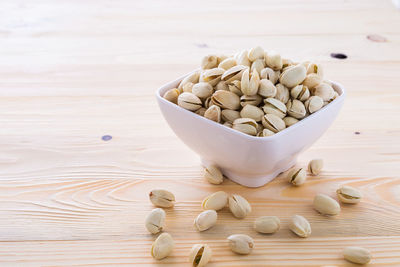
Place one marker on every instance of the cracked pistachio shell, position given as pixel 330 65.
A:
pixel 189 101
pixel 207 102
pixel 324 90
pixel 270 74
pixel 315 166
pixel 265 133
pixel 228 63
pixel 229 115
pixel 314 104
pixel 296 109
pixel 155 221
pixel 243 59
pixel 300 92
pixel 257 65
pixel 300 226
pixel 245 125
pixel 213 174
pixel 297 176
pixel 162 198
pixel 201 111
pixel 202 90
pixel 252 112
pixel 348 194
pixel 326 205
pixel 267 88
pixel 293 76
pixel 162 246
pixel 239 206
pixel 282 93
pixel 250 82
pixel 209 62
pixel 228 124
pixel 312 80
pixel 226 100
pixel 274 60
pixel 240 243
pixel 286 63
pixel 274 106
pixel 315 68
pixel 273 123
pixel 187 87
pixel 256 53
pixel 235 87
pixel 267 224
pixel 213 113
pixel 193 78
pixel 206 220
pixel 172 95
pixel 200 255
pixel 212 76
pixel 289 121
pixel 221 86
pixel 215 201
pixel 254 100
pixel 234 73
pixel 357 255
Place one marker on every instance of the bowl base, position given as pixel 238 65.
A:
pixel 252 180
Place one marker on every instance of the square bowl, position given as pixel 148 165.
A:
pixel 247 160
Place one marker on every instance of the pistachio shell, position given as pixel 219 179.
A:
pixel 201 111
pixel 265 133
pixel 296 109
pixel 162 246
pixel 267 88
pixel 215 201
pixel 235 87
pixel 250 83
pixel 227 63
pixel 229 115
pixel 282 93
pixel 234 73
pixel 245 125
pixel 193 78
pixel 289 121
pixel 267 224
pixel 357 255
pixel 221 86
pixel 200 255
pixel 243 59
pixel 315 166
pixel 252 112
pixel 228 124
pixel 239 206
pixel 212 76
pixel 349 195
pixel 257 65
pixel 326 205
pixel 315 68
pixel 213 113
pixel 274 60
pixel 254 100
pixel 187 87
pixel 209 62
pixel 324 90
pixel 226 100
pixel 274 106
pixel 213 174
pixel 172 95
pixel 241 244
pixel 256 53
pixel 293 76
pixel 312 80
pixel 162 198
pixel 189 101
pixel 202 90
pixel 273 123
pixel 300 92
pixel 270 74
pixel 300 226
pixel 206 220
pixel 155 221
pixel 297 176
pixel 314 104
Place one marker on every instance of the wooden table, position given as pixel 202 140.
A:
pixel 83 141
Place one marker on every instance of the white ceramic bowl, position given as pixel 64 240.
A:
pixel 245 159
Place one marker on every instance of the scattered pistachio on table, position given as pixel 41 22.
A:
pixel 206 220
pixel 297 176
pixel 239 206
pixel 240 243
pixel 267 224
pixel 162 198
pixel 162 246
pixel 155 221
pixel 348 194
pixel 200 255
pixel 357 255
pixel 215 201
pixel 300 226
pixel 251 85
pixel 326 205
pixel 213 174
pixel 315 166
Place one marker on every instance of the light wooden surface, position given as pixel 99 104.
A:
pixel 74 71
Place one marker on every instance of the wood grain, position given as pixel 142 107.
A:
pixel 74 71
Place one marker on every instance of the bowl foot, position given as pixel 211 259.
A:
pixel 252 180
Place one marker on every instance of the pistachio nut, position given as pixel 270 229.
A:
pixel 172 95
pixel 314 104
pixel 315 166
pixel 215 201
pixel 245 125
pixel 296 109
pixel 293 76
pixel 254 100
pixel 267 224
pixel 209 62
pixel 207 102
pixel 282 93
pixel 256 53
pixel 250 82
pixel 324 90
pixel 326 205
pixel 192 78
pixel 273 123
pixel 162 246
pixel 212 76
pixel 226 100
pixel 189 101
pixel 213 113
pixel 200 255
pixel 349 195
pixel 243 59
pixel 300 92
pixel 270 74
pixel 312 80
pixel 202 90
pixel 155 221
pixel 265 133
pixel 234 73
pixel 357 255
pixel 257 65
pixel 187 87
pixel 286 63
pixel 267 88
pixel 274 106
pixel 289 121
pixel 274 60
pixel 221 86
pixel 227 63
pixel 240 243
pixel 239 206
pixel 252 112
pixel 213 174
pixel 201 111
pixel 229 115
pixel 206 220
pixel 228 124
pixel 235 87
pixel 315 68
pixel 297 176
pixel 300 226
pixel 162 198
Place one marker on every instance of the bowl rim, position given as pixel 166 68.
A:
pixel 336 86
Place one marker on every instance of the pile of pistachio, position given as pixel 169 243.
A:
pixel 201 254
pixel 255 92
